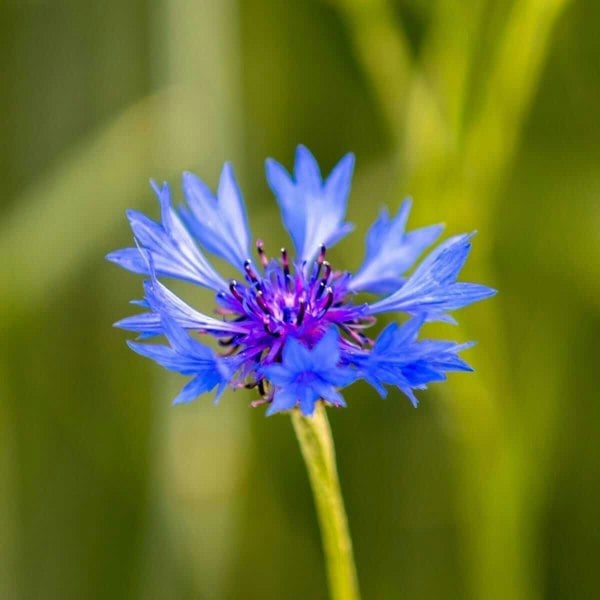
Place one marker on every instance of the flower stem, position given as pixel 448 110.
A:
pixel 316 444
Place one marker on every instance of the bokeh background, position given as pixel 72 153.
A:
pixel 487 112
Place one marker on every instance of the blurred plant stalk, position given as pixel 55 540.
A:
pixel 316 444
pixel 191 119
pixel 455 131
pixel 195 501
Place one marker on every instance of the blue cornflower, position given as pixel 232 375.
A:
pixel 291 327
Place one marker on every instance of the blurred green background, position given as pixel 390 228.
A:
pixel 487 112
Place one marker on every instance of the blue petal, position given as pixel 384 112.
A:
pixel 184 343
pixel 391 252
pixel 325 358
pixel 308 401
pixel 219 222
pixel 329 393
pixel 278 375
pixel 173 251
pixel 341 376
pixel 313 211
pixel 432 288
pixel 163 301
pixel 326 353
pixel 296 356
pixel 306 170
pixel 284 399
pixel 293 212
pixel 189 357
pixel 399 359
pixel 166 357
pixel 306 375
pixel 407 391
pixel 197 386
pixel 395 336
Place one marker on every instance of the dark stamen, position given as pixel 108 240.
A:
pixel 320 261
pixel 301 312
pixel 233 289
pixel 322 254
pixel 329 300
pixel 261 387
pixel 261 253
pixel 287 314
pixel 321 288
pixel 285 262
pixel 249 271
pixel 325 278
pixel 261 302
pixel 227 341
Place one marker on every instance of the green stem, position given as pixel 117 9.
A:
pixel 316 444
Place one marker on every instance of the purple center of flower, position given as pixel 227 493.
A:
pixel 281 299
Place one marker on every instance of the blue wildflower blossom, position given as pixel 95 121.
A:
pixel 291 328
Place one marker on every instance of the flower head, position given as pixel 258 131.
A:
pixel 290 326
